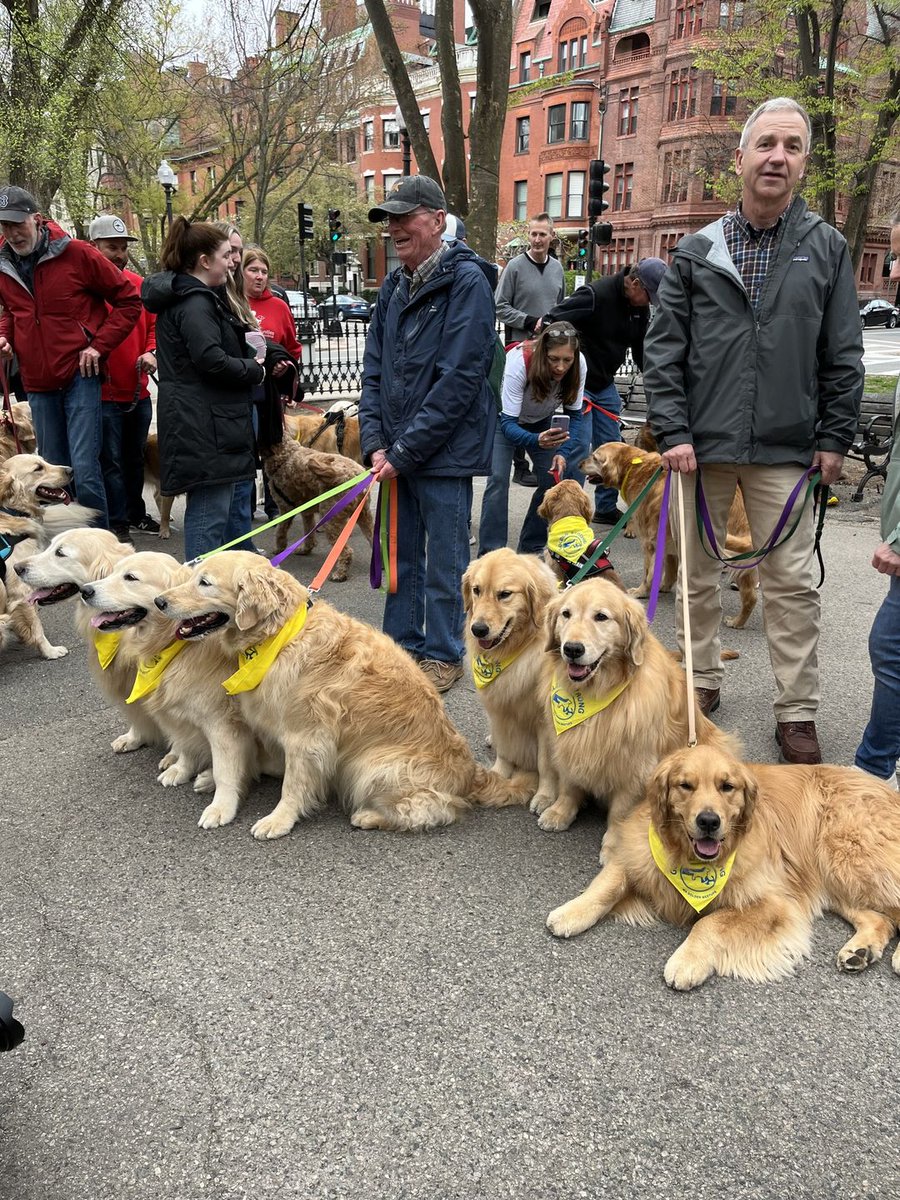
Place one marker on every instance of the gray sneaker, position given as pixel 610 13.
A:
pixel 442 674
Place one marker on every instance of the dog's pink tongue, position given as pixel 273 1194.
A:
pixel 707 847
pixel 40 594
pixel 97 622
pixel 578 672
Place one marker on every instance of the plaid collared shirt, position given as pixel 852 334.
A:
pixel 751 250
pixel 426 269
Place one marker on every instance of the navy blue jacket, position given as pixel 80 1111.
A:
pixel 425 395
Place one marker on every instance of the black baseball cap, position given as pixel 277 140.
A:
pixel 413 191
pixel 16 204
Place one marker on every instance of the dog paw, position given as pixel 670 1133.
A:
pixel 626 532
pixel 569 919
pixel 216 815
pixel 684 971
pixel 165 534
pixel 338 576
pixel 368 818
pixel 55 651
pixel 555 820
pixel 856 958
pixel 125 743
pixel 640 593
pixel 174 776
pixel 306 548
pixel 272 826
pixel 540 802
pixel 205 781
pixel 734 623
pixel 167 760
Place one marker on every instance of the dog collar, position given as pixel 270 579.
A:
pixel 570 542
pixel 255 661
pixel 570 708
pixel 107 647
pixel 697 881
pixel 485 670
pixel 150 671
pixel 624 484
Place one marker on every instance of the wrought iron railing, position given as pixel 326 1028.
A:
pixel 332 354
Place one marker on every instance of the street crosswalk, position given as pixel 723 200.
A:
pixel 881 351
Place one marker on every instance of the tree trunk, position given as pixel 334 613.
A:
pixel 456 184
pixel 861 196
pixel 494 21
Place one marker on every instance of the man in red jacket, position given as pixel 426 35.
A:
pixel 54 293
pixel 127 408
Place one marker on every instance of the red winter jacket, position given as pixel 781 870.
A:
pixel 121 379
pixel 67 313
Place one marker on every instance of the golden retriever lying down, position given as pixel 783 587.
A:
pixel 568 499
pixel 297 474
pixel 803 839
pixel 613 464
pixel 505 596
pixel 304 427
pixel 603 653
pixel 351 710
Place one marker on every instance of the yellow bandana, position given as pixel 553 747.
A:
pixel 699 882
pixel 624 484
pixel 107 647
pixel 569 537
pixel 150 672
pixel 486 670
pixel 255 661
pixel 571 708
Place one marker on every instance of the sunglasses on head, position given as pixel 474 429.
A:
pixel 560 332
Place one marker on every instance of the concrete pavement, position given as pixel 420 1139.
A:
pixel 365 1016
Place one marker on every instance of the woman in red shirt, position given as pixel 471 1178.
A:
pixel 274 316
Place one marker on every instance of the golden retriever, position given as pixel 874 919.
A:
pixel 602 649
pixel 505 596
pixel 352 712
pixel 24 431
pixel 569 499
pixel 804 839
pixel 618 465
pixel 297 474
pixel 152 475
pixel 334 432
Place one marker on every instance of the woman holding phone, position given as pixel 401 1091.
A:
pixel 540 376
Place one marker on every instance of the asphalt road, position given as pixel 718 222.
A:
pixel 363 1016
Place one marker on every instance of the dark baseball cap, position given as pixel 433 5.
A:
pixel 650 272
pixel 16 204
pixel 413 191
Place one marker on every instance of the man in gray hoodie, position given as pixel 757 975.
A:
pixel 753 371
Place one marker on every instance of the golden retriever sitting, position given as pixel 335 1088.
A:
pixel 24 431
pixel 352 712
pixel 297 474
pixel 760 850
pixel 329 433
pixel 568 511
pixel 505 596
pixel 618 701
pixel 618 465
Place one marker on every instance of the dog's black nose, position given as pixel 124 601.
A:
pixel 480 629
pixel 708 822
pixel 573 650
pixel 161 603
pixel 87 592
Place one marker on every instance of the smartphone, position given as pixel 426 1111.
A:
pixel 560 421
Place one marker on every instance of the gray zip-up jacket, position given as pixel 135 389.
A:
pixel 768 387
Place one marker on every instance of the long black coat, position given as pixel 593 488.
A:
pixel 206 377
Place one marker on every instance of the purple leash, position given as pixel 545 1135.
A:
pixel 339 505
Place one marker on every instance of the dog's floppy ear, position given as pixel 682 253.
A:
pixel 258 598
pixel 658 793
pixel 585 505
pixel 551 618
pixel 749 785
pixel 467 588
pixel 106 560
pixel 635 621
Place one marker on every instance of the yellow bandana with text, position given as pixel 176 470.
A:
pixel 570 708
pixel 485 670
pixel 255 661
pixel 107 647
pixel 699 882
pixel 150 671
pixel 570 537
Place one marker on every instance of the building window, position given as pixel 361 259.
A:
pixel 523 134
pixel 575 198
pixel 623 179
pixel 572 54
pixel 471 103
pixel 682 100
pixel 520 200
pixel 579 121
pixel 368 135
pixel 389 180
pixel 350 147
pixel 553 191
pixel 541 10
pixel 390 134
pixel 676 167
pixel 426 120
pixel 369 186
pixel 721 104
pixel 524 66
pixel 556 123
pixel 731 14
pixel 868 269
pixel 193 177
pixel 668 242
pixel 563 59
pixel 628 111
pixel 688 17
pixel 618 254
pixel 211 176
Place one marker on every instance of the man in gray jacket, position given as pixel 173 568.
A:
pixel 753 370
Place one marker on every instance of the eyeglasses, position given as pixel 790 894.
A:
pixel 401 218
pixel 560 332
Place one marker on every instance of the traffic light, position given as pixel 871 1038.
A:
pixel 583 241
pixel 335 227
pixel 305 222
pixel 597 187
pixel 601 234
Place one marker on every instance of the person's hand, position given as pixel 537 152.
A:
pixel 381 467
pixel 558 466
pixel 549 439
pixel 6 350
pixel 829 464
pixel 681 458
pixel 280 367
pixel 886 560
pixel 147 362
pixel 89 362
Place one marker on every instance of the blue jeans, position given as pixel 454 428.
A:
pixel 205 518
pixel 880 746
pixel 493 526
pixel 426 615
pixel 243 505
pixel 135 426
pixel 597 429
pixel 69 429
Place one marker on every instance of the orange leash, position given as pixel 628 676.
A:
pixel 339 544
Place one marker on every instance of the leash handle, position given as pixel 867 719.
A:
pixel 686 614
pixel 7 404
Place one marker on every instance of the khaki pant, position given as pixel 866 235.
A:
pixel 791 608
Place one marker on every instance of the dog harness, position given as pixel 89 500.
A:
pixel 486 670
pixel 569 708
pixel 150 671
pixel 570 543
pixel 697 881
pixel 255 661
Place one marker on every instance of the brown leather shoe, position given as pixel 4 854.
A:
pixel 799 743
pixel 708 699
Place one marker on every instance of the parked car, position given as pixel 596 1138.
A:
pixel 302 305
pixel 879 312
pixel 345 308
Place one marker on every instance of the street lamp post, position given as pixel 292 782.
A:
pixel 167 177
pixel 404 139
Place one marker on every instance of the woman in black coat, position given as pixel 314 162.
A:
pixel 206 377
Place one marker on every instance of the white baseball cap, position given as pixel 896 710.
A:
pixel 106 226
